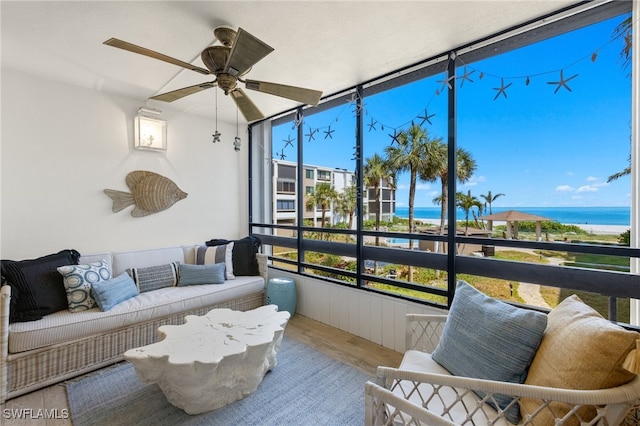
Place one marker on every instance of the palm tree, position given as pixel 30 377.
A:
pixel 623 30
pixel 437 167
pixel 413 148
pixel 625 172
pixel 375 171
pixel 347 202
pixel 466 202
pixel 489 199
pixel 323 196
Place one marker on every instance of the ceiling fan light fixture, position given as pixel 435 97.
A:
pixel 226 82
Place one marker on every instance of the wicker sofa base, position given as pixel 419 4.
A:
pixel 39 368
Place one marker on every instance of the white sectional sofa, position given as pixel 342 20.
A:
pixel 66 344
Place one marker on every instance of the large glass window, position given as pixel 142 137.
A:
pixel 521 146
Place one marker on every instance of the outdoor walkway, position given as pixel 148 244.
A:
pixel 530 293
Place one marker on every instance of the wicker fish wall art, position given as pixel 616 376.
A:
pixel 150 193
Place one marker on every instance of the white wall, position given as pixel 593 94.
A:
pixel 368 315
pixel 62 145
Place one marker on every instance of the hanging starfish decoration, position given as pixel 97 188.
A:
pixel 372 125
pixel 465 76
pixel 327 133
pixel 394 136
pixel 426 117
pixel 288 141
pixel 446 82
pixel 502 89
pixel 216 137
pixel 297 121
pixel 282 156
pixel 562 82
pixel 311 133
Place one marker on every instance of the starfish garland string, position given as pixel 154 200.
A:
pixel 465 76
pixel 562 82
pixel 394 136
pixel 502 89
pixel 426 117
pixel 311 133
pixel 327 133
pixel 446 82
pixel 288 141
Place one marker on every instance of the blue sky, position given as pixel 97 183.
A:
pixel 538 147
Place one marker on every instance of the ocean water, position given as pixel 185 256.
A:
pixel 568 215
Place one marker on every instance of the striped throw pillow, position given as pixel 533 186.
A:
pixel 155 277
pixel 217 254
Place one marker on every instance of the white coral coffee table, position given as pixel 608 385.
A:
pixel 212 360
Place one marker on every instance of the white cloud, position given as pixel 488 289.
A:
pixel 423 186
pixel 592 179
pixel 564 188
pixel 569 173
pixel 587 188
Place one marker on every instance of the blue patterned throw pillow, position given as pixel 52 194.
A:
pixel 78 280
pixel 485 338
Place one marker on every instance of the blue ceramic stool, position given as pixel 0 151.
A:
pixel 282 292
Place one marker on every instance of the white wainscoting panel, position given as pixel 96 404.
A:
pixel 371 316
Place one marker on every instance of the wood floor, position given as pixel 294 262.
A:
pixel 346 347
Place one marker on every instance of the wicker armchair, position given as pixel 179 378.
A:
pixel 407 397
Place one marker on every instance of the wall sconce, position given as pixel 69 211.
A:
pixel 150 131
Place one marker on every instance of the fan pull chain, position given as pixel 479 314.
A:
pixel 236 141
pixel 216 135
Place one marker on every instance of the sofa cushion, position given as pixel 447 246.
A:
pixel 108 294
pixel 78 280
pixel 37 285
pixel 486 338
pixel 415 360
pixel 155 277
pixel 144 258
pixel 578 340
pixel 201 274
pixel 64 325
pixel 217 254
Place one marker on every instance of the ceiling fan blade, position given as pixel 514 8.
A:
pixel 246 51
pixel 153 54
pixel 300 94
pixel 246 105
pixel 185 91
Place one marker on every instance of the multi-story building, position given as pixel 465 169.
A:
pixel 285 189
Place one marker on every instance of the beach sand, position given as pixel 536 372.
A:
pixel 592 229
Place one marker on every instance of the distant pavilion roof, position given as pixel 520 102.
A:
pixel 514 216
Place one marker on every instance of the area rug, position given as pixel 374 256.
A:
pixel 306 388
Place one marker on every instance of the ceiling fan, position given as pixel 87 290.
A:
pixel 229 62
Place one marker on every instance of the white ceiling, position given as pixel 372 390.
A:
pixel 323 45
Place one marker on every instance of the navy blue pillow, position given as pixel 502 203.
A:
pixel 37 286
